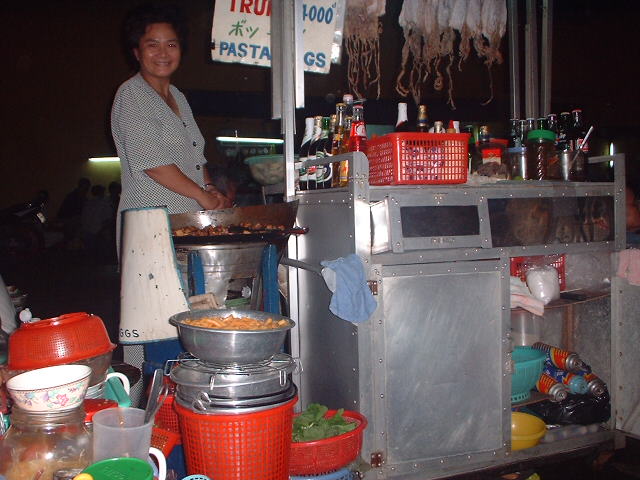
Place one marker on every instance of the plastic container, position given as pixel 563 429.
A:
pixel 266 169
pixel 520 265
pixel 527 368
pixel 526 328
pixel 418 159
pixel 254 445
pixel 526 430
pixel 56 341
pixel 328 454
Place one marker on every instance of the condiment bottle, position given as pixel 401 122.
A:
pixel 39 444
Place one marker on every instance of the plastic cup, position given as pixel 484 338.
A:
pixel 121 432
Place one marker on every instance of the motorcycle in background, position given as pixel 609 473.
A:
pixel 22 228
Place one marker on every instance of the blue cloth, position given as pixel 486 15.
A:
pixel 352 299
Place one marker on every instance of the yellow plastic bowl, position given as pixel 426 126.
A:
pixel 526 430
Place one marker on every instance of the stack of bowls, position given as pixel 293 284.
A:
pixel 74 338
pixel 50 389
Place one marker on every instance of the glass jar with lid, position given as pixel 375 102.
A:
pixel 39 444
pixel 542 159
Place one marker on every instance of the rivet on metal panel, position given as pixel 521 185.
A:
pixel 495 453
pixel 486 239
pixel 382 395
pixel 415 466
pixel 376 459
pixel 482 219
pixel 379 360
pixel 332 200
pixel 503 307
pixel 353 370
pixel 539 194
pixel 419 272
pixel 380 322
pixel 442 460
pixel 468 457
pixel 448 270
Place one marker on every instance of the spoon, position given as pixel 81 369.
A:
pixel 158 389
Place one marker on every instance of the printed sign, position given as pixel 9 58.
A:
pixel 241 32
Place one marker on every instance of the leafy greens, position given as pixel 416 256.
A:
pixel 312 425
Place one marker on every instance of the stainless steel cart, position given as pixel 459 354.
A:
pixel 431 368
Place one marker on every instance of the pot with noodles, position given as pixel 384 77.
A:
pixel 232 337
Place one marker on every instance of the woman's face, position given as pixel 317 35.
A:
pixel 158 51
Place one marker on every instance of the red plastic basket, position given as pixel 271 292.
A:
pixel 241 446
pixel 164 440
pixel 418 158
pixel 520 265
pixel 328 454
pixel 167 418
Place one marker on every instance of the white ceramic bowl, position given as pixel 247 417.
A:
pixel 62 387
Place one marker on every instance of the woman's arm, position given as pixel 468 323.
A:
pixel 171 177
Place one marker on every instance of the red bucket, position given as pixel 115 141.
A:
pixel 240 446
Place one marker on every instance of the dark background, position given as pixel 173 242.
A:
pixel 63 61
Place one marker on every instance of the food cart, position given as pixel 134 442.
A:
pixel 431 369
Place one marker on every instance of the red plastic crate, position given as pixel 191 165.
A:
pixel 418 158
pixel 519 266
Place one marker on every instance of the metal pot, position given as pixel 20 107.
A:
pixel 199 380
pixel 230 347
pixel 214 406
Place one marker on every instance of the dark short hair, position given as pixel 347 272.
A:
pixel 141 17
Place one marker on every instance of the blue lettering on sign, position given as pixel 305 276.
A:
pixel 242 50
pixel 317 14
pixel 315 59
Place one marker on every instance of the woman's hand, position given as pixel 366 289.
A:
pixel 171 177
pixel 213 200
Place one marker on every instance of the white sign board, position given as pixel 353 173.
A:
pixel 241 32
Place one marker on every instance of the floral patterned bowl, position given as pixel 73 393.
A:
pixel 62 387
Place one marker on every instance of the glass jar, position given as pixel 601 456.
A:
pixel 39 444
pixel 517 162
pixel 542 160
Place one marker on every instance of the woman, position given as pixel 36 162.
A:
pixel 157 139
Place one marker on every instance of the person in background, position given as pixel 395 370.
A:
pixel 160 146
pixel 70 212
pixel 114 195
pixel 97 214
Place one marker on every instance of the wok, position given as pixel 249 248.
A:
pixel 283 214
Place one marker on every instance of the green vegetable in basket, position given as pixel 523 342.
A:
pixel 312 425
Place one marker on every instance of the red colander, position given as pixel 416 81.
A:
pixel 328 454
pixel 55 341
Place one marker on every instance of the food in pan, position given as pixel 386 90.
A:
pixel 213 230
pixel 236 323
